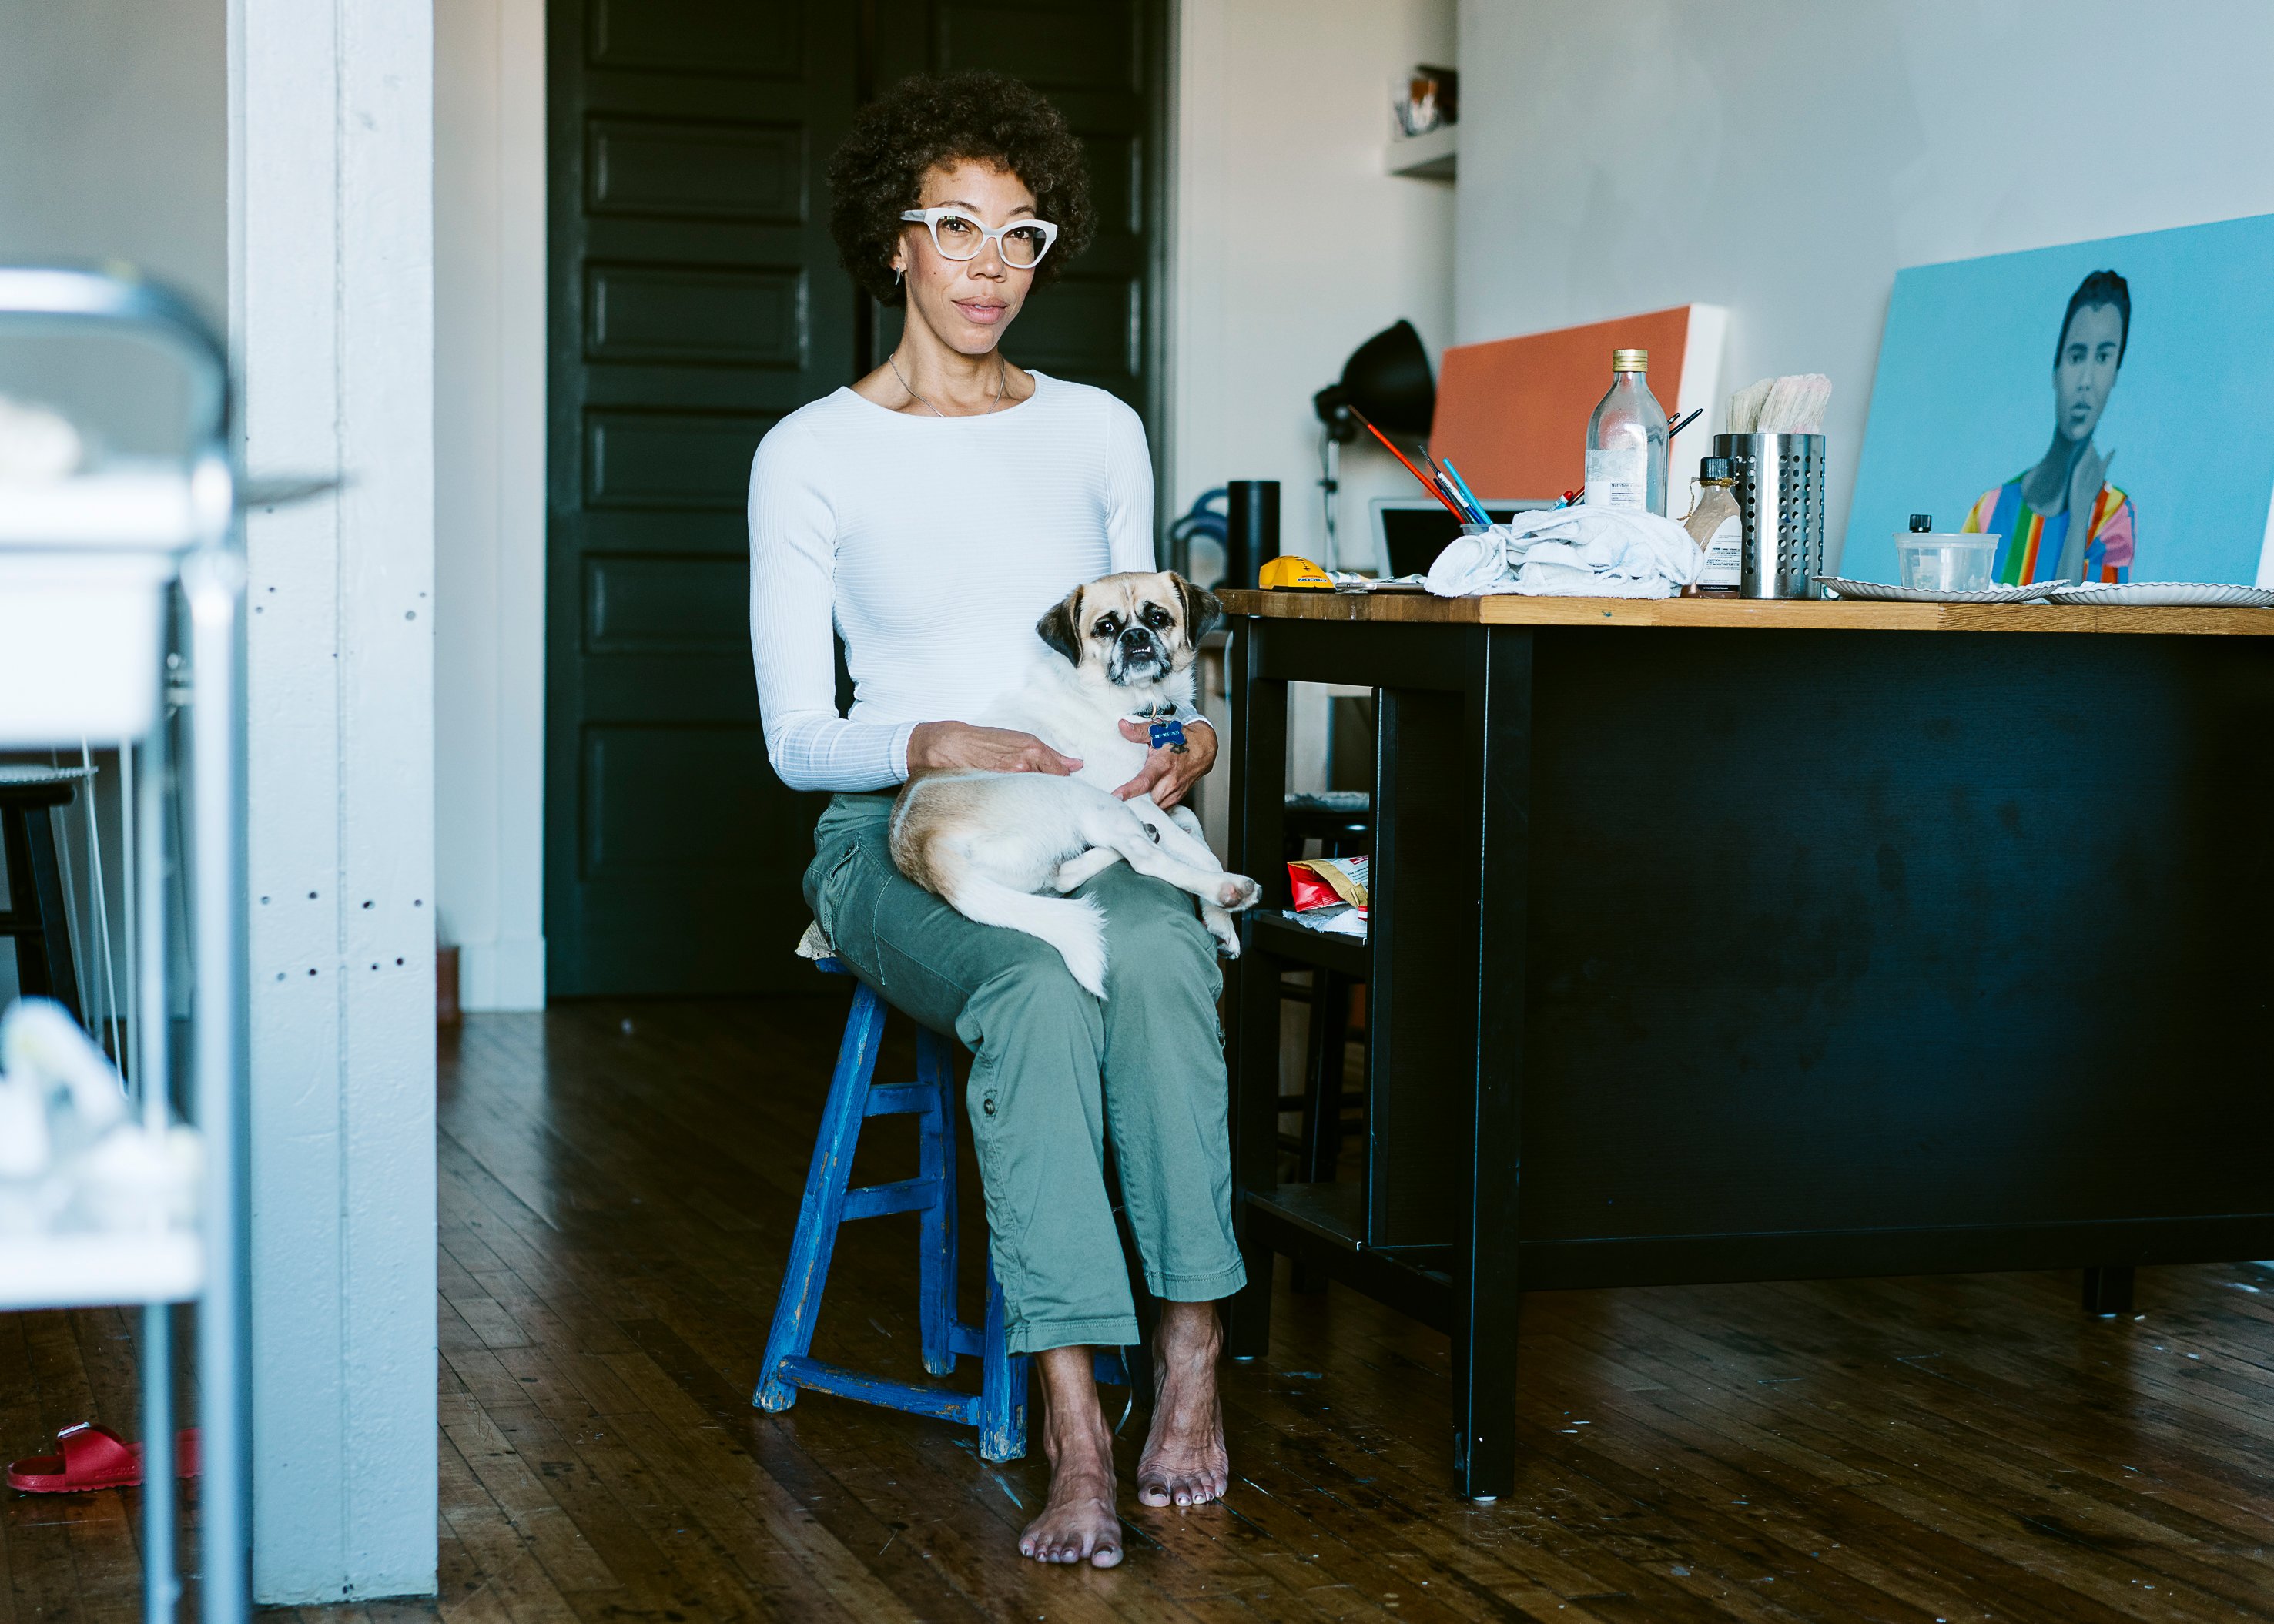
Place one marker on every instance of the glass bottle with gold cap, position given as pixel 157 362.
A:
pixel 1626 439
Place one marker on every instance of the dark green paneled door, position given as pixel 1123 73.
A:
pixel 695 300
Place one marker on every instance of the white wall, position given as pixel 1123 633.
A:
pixel 1283 110
pixel 1785 157
pixel 331 205
pixel 112 147
pixel 112 138
pixel 489 495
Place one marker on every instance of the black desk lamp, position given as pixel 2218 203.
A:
pixel 1387 378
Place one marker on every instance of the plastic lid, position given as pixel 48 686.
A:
pixel 1715 467
pixel 1922 522
pixel 1631 360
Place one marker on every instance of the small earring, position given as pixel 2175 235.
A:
pixel 896 274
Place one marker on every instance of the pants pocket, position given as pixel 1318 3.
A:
pixel 844 895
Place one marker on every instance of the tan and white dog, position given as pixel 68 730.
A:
pixel 994 845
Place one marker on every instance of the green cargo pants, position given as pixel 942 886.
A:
pixel 1055 1072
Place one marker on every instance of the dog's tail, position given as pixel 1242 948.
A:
pixel 1073 925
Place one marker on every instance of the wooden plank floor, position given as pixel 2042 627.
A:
pixel 619 1183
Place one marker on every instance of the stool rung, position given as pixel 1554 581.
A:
pixel 900 1099
pixel 967 1341
pixel 941 1403
pixel 909 1195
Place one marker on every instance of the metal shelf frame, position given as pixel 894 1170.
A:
pixel 203 563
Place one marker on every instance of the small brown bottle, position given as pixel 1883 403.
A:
pixel 1719 530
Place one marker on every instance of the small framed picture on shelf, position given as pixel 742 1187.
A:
pixel 1426 98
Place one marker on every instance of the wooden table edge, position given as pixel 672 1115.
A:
pixel 1774 615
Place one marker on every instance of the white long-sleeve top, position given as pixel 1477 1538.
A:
pixel 932 545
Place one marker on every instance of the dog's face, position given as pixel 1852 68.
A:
pixel 1130 630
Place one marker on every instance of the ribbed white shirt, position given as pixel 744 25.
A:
pixel 932 545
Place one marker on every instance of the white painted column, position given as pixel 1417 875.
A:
pixel 489 490
pixel 331 279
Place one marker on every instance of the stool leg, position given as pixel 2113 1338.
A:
pixel 823 1206
pixel 1320 1145
pixel 936 1233
pixel 1002 1386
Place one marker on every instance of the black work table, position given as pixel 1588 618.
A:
pixel 1721 941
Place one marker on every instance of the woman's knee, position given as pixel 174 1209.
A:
pixel 1030 994
pixel 1155 943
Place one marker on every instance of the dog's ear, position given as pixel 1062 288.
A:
pixel 1202 613
pixel 1061 628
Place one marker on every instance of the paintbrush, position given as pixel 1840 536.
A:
pixel 1427 484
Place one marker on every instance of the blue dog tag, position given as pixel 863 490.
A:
pixel 1169 735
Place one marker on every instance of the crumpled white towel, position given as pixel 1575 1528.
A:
pixel 1579 552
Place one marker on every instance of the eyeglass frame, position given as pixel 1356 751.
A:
pixel 929 219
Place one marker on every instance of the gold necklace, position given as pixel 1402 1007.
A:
pixel 1002 382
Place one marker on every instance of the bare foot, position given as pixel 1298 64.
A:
pixel 1185 1462
pixel 1078 1523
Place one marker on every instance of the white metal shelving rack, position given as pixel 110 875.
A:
pixel 89 568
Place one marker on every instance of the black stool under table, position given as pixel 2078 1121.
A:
pixel 38 915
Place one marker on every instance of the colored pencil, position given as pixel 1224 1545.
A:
pixel 1478 516
pixel 1462 486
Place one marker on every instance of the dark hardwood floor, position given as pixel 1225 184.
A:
pixel 618 1181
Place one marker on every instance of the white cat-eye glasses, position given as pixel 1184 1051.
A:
pixel 1022 242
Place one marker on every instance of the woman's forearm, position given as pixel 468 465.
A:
pixel 821 750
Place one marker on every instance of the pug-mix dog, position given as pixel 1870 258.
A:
pixel 994 845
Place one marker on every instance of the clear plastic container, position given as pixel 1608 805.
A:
pixel 1945 561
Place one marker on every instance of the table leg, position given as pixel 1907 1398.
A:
pixel 1259 736
pixel 1487 1295
pixel 2108 1291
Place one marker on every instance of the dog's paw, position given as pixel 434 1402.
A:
pixel 1227 934
pixel 1236 891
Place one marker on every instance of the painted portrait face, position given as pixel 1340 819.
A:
pixel 2085 370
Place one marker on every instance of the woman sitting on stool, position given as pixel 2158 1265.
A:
pixel 932 513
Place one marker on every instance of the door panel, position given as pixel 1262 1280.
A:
pixel 695 303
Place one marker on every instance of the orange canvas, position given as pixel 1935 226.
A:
pixel 1512 413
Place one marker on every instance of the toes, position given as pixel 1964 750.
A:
pixel 1106 1556
pixel 1152 1493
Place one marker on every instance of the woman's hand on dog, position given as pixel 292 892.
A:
pixel 1167 774
pixel 937 747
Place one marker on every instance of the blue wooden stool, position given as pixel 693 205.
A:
pixel 998 1409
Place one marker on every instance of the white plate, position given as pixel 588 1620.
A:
pixel 1881 592
pixel 2167 594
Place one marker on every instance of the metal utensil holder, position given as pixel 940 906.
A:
pixel 1780 492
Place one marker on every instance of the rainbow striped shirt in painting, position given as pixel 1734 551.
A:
pixel 2031 549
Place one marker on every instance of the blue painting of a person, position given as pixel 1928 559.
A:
pixel 2036 511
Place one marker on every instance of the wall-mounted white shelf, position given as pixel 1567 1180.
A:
pixel 1433 156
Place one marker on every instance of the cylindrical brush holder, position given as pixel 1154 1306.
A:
pixel 1779 493
pixel 1251 530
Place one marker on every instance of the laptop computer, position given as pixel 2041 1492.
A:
pixel 1409 532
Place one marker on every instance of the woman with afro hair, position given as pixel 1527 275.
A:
pixel 930 514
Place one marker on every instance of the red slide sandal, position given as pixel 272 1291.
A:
pixel 88 1456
